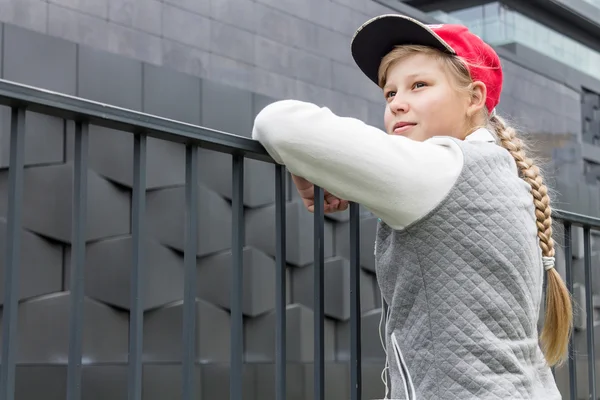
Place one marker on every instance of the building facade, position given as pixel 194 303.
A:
pixel 216 63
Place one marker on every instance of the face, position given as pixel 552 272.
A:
pixel 423 102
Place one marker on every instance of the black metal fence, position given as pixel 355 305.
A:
pixel 21 98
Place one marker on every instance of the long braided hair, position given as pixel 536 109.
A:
pixel 558 319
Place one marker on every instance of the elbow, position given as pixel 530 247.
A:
pixel 273 126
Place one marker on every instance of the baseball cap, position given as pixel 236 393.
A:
pixel 378 36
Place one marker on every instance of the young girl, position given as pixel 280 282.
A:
pixel 465 231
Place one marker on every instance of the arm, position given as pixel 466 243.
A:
pixel 398 179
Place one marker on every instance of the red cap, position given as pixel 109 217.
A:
pixel 378 36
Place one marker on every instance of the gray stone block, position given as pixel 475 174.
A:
pixel 185 58
pixel 226 108
pixel 78 27
pixel 272 55
pixel 372 351
pixel 39 60
pixel 166 219
pixel 40 265
pixel 48 382
pixel 198 7
pixel 260 336
pixel 109 78
pixel 259 102
pixel 146 16
pixel 295 381
pixel 215 274
pixel 328 43
pixel 216 172
pixel 337 288
pixel 211 382
pixel 336 381
pixel 260 232
pixel 133 43
pixel 311 68
pixel 313 93
pixel 274 84
pixel 357 5
pixel 373 387
pixel 44 138
pixel 111 155
pixel 108 273
pixel 99 382
pixel 48 197
pixel 95 7
pixel 185 27
pixel 43 326
pixel 229 41
pixel 232 72
pixel 163 332
pixel 241 13
pixel 368 229
pixel 30 14
pixel 171 94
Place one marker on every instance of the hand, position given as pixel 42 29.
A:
pixel 307 193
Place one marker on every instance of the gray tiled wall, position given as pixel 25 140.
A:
pixel 214 63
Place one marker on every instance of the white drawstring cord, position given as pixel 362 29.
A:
pixel 386 366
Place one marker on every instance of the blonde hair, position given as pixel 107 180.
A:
pixel 559 314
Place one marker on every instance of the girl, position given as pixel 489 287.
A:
pixel 465 224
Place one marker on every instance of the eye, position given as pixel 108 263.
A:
pixel 389 95
pixel 418 85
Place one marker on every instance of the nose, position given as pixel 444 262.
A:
pixel 398 105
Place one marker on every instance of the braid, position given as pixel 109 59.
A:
pixel 559 313
pixel 532 175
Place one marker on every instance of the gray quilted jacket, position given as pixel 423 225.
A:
pixel 464 285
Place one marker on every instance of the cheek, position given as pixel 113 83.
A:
pixel 387 117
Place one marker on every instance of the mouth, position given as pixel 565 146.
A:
pixel 402 127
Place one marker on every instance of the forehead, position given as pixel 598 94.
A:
pixel 415 64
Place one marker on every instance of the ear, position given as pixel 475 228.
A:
pixel 478 97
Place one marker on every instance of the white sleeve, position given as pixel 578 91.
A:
pixel 398 179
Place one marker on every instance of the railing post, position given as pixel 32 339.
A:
pixel 589 307
pixel 190 285
pixel 318 304
pixel 136 319
pixel 237 285
pixel 569 283
pixel 280 284
pixel 78 243
pixel 355 308
pixel 13 254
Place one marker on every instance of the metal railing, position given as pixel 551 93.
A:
pixel 21 98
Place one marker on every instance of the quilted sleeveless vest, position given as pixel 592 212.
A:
pixel 464 288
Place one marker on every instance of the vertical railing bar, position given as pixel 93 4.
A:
pixel 237 277
pixel 78 242
pixel 569 282
pixel 319 309
pixel 12 254
pixel 280 283
pixel 589 307
pixel 190 252
pixel 136 319
pixel 355 308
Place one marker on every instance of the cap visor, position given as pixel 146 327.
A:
pixel 378 36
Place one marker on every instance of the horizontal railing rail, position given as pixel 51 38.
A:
pixel 22 98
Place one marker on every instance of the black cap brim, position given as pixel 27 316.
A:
pixel 378 36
